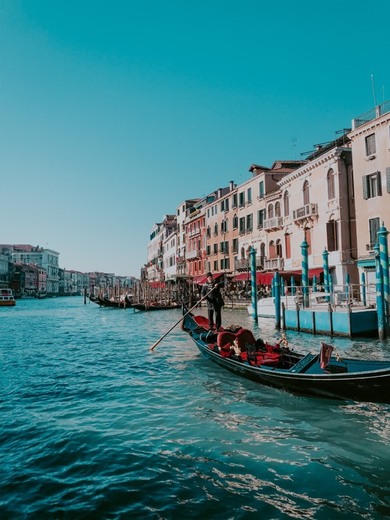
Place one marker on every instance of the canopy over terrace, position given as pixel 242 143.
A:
pixel 265 278
pixel 261 278
pixel 202 279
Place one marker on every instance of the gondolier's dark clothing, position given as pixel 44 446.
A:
pixel 214 303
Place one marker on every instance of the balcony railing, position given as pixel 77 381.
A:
pixel 273 223
pixel 274 263
pixel 196 253
pixel 378 111
pixel 243 264
pixel 309 210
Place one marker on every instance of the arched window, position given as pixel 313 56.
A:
pixel 242 253
pixel 306 194
pixel 272 249
pixel 330 184
pixel 332 234
pixel 286 203
pixel 235 221
pixel 262 250
pixel 287 245
pixel 279 248
pixel 270 211
pixel 277 209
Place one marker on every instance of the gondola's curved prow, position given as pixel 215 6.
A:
pixel 347 379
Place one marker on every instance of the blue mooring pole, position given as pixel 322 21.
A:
pixel 276 280
pixel 363 280
pixel 253 283
pixel 325 260
pixel 380 309
pixel 384 261
pixel 305 273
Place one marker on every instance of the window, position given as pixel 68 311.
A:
pixel 287 245
pixel 261 189
pixel 373 224
pixel 242 225
pixel 272 249
pixel 208 250
pixel 260 218
pixel 270 211
pixel 286 203
pixel 216 229
pixel 234 203
pixel 332 235
pixel 330 184
pixel 215 249
pixel 370 144
pixel 235 222
pixel 262 250
pixel 372 185
pixel 306 193
pixel 241 199
pixel 279 249
pixel 249 195
pixel 235 245
pixel 277 209
pixel 208 232
pixel 249 222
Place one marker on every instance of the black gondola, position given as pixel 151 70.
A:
pixel 156 307
pixel 321 375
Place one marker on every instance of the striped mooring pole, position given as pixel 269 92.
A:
pixel 325 261
pixel 384 261
pixel 305 273
pixel 253 283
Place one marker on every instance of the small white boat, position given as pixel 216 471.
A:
pixel 7 298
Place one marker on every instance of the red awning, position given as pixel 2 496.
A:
pixel 316 271
pixel 200 280
pixel 243 277
pixel 157 285
pixel 261 278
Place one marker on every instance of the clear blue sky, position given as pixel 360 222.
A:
pixel 112 112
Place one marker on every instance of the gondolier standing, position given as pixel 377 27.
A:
pixel 214 301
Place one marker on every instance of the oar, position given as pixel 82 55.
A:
pixel 184 315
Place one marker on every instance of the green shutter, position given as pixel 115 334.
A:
pixel 388 180
pixel 365 187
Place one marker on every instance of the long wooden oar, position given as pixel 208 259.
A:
pixel 184 315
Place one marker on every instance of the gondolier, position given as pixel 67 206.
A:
pixel 214 301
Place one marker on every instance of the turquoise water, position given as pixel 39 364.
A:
pixel 95 425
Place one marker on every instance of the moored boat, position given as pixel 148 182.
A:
pixel 320 374
pixel 155 307
pixel 7 298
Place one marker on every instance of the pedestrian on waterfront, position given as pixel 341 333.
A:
pixel 214 301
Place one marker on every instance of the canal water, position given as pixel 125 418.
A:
pixel 96 426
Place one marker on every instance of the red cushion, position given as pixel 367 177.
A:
pixel 245 337
pixel 225 340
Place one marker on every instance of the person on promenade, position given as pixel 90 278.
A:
pixel 214 301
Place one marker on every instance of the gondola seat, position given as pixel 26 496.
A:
pixel 245 338
pixel 224 341
pixel 202 321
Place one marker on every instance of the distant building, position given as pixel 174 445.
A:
pixel 370 136
pixel 39 256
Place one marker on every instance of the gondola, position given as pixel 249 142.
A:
pixel 157 307
pixel 320 375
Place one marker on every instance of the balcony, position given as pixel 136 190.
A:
pixel 243 264
pixel 180 260
pixel 196 253
pixel 306 212
pixel 273 223
pixel 274 263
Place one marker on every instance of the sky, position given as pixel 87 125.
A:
pixel 113 112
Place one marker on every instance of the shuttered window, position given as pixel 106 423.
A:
pixel 372 185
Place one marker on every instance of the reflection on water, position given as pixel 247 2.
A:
pixel 95 425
